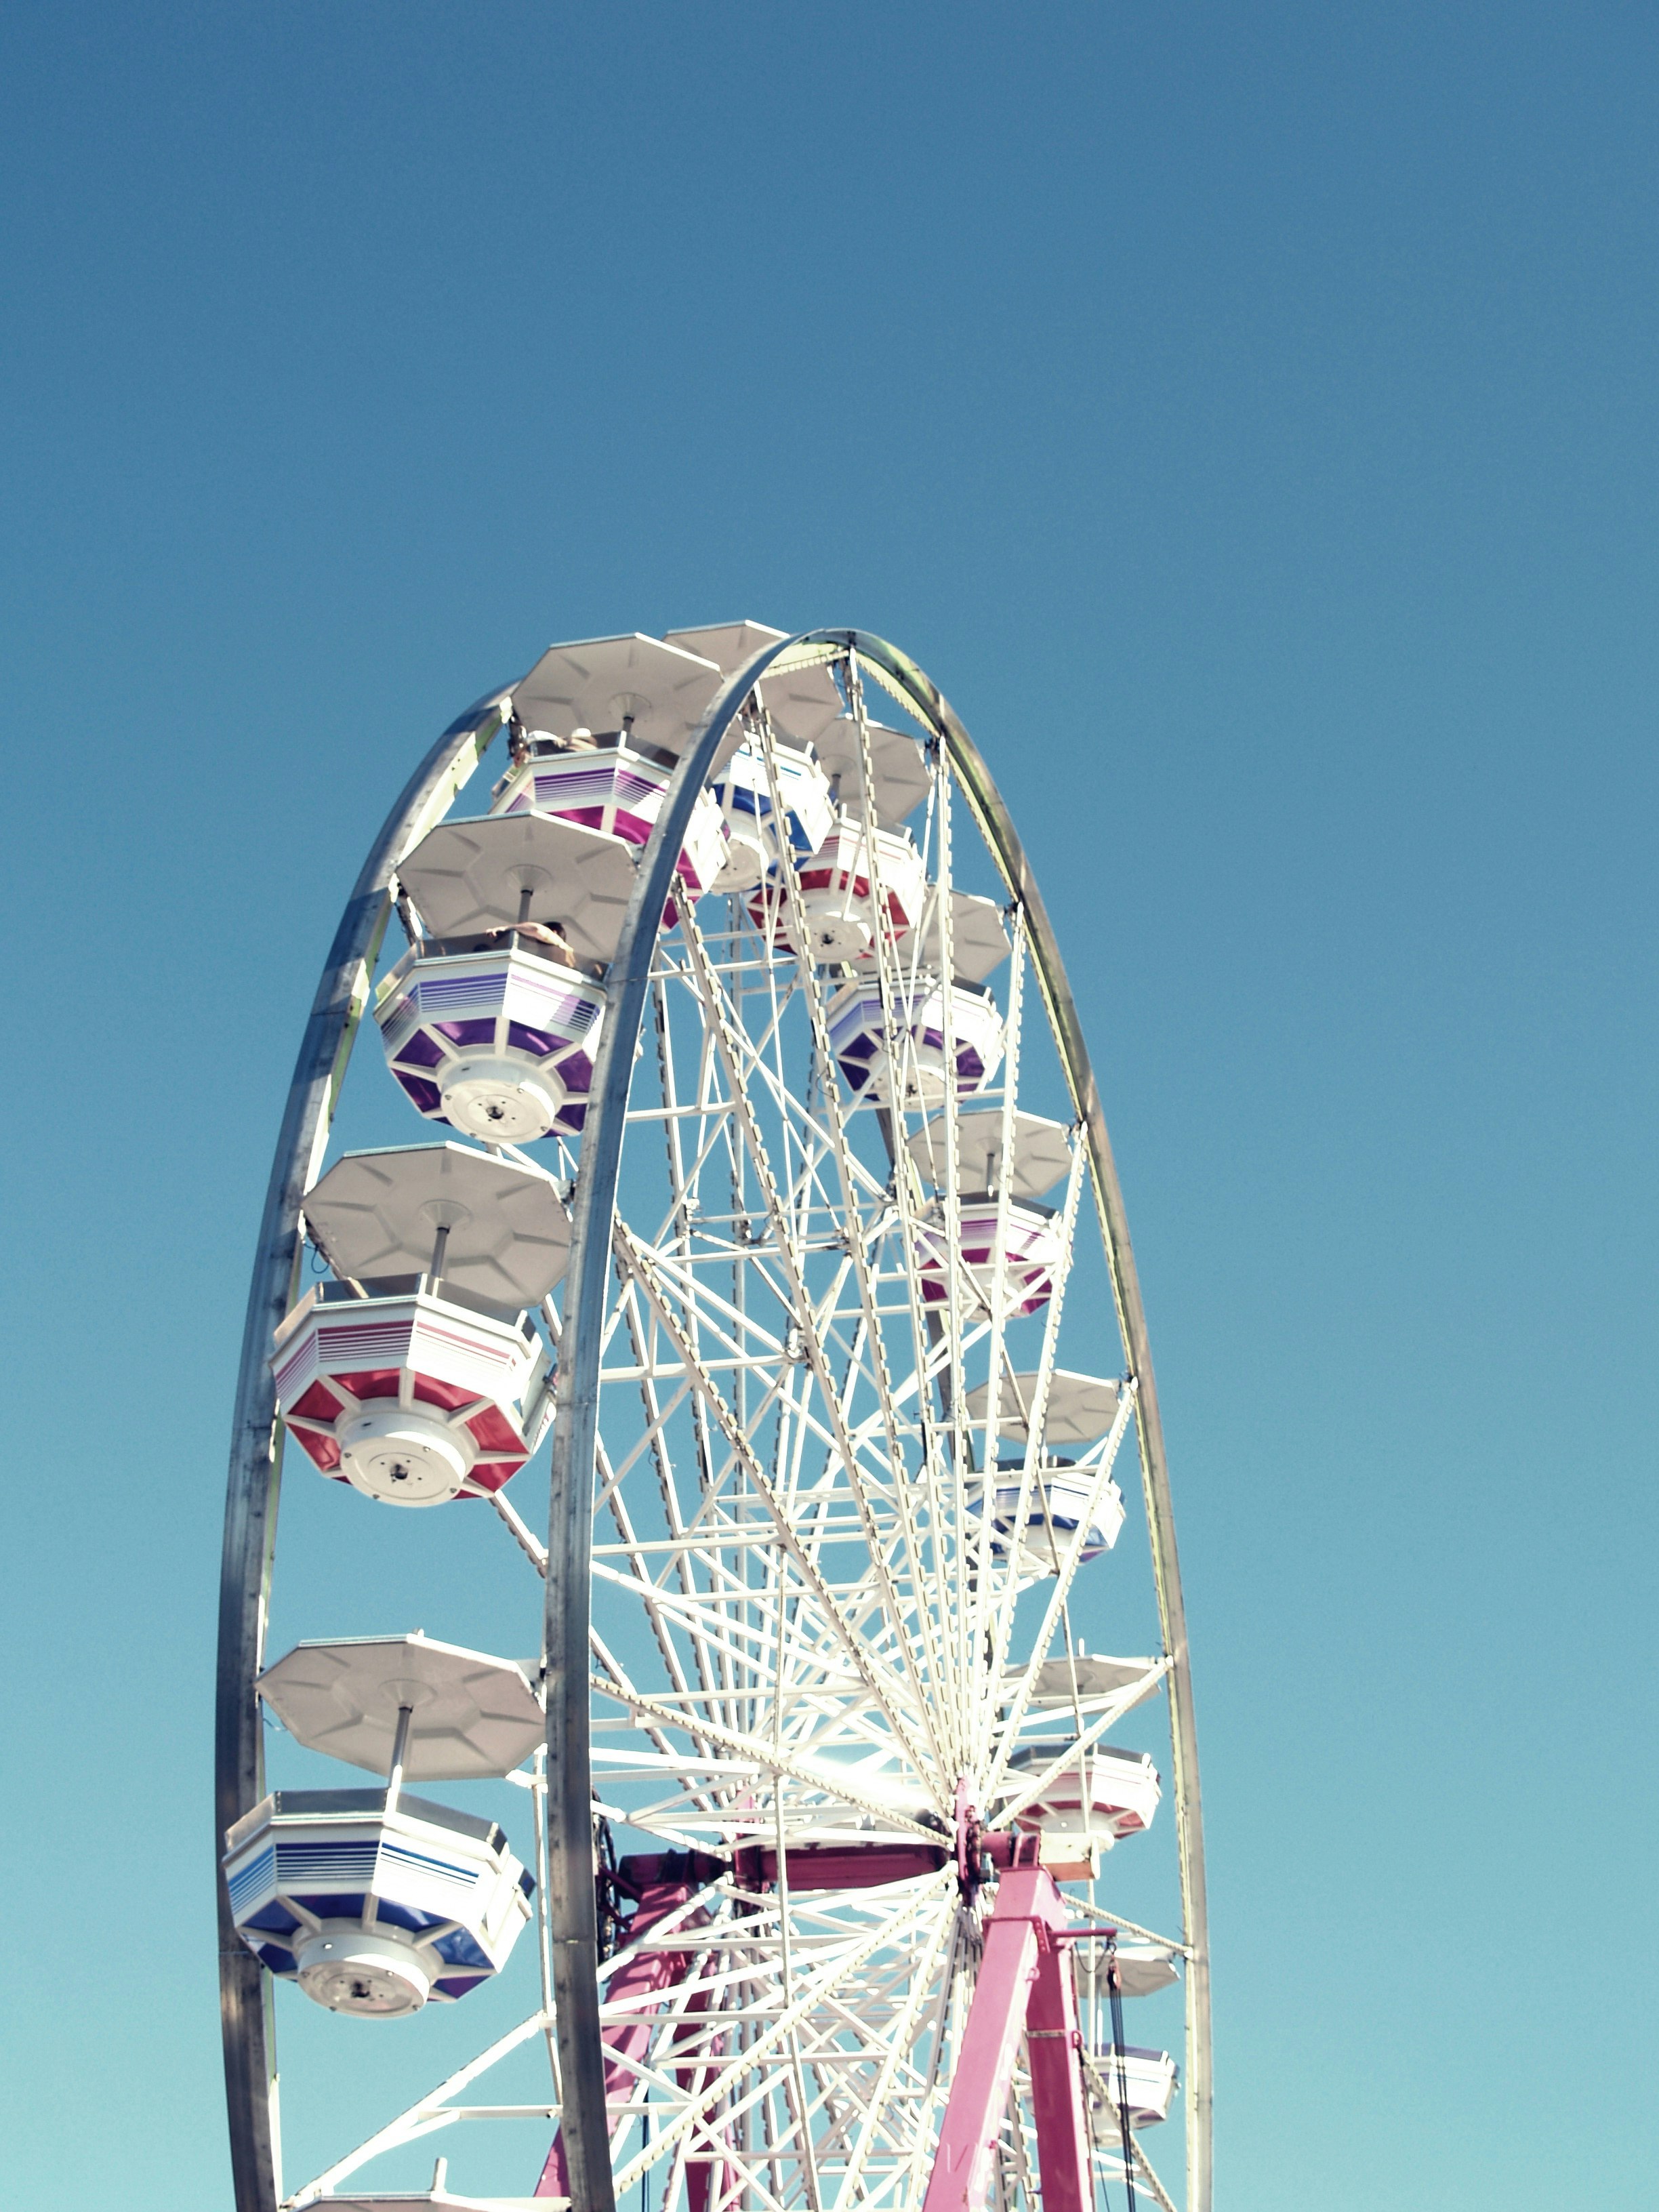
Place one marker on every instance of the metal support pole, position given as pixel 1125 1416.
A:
pixel 1015 1936
pixel 985 2066
pixel 394 1780
pixel 1022 1970
pixel 1058 2100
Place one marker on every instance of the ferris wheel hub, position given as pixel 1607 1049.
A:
pixel 351 1969
pixel 505 1101
pixel 406 1457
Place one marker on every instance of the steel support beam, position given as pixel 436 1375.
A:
pixel 1025 1985
pixel 1058 2103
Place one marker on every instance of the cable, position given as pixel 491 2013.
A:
pixel 1115 1991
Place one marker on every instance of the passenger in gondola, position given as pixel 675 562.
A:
pixel 545 937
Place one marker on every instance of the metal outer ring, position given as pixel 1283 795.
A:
pixel 244 2005
pixel 255 1465
pixel 996 825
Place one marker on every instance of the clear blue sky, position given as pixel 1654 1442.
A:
pixel 1247 414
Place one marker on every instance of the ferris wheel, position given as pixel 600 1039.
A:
pixel 754 1163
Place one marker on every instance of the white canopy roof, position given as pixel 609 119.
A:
pixel 471 1714
pixel 1093 1674
pixel 468 876
pixel 1144 1968
pixel 379 1213
pixel 979 942
pixel 657 691
pixel 728 645
pixel 435 2200
pixel 1081 1407
pixel 1041 1152
pixel 896 759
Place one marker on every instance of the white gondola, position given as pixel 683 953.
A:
pixel 373 1911
pixel 744 790
pixel 416 1377
pixel 618 788
pixel 498 1043
pixel 858 1037
pixel 1123 2075
pixel 1116 1795
pixel 370 1898
pixel 1061 1513
pixel 1011 1253
pixel 409 1398
pixel 837 895
pixel 374 1901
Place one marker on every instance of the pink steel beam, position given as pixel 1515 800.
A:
pixel 1054 2042
pixel 838 1866
pixel 1023 1973
pixel 627 2041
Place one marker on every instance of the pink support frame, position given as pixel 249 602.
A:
pixel 1024 1982
pixel 1025 1985
pixel 641 1981
pixel 661 1883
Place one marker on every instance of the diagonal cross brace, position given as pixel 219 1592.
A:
pixel 1024 1983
